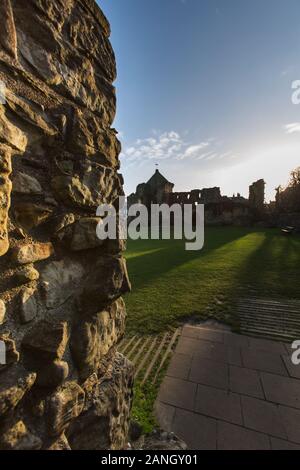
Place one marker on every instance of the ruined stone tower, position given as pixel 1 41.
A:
pixel 63 384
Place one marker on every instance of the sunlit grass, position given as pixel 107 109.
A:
pixel 169 283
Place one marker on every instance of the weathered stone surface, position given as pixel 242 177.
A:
pixel 30 215
pixel 32 252
pixel 164 441
pixel 59 159
pixel 26 184
pixel 72 71
pixel 26 274
pixel 102 425
pixel 5 190
pixel 18 437
pixel 111 274
pixel 30 113
pixel 89 137
pixel 60 443
pixel 11 135
pixel 14 384
pixel 48 340
pixel 61 280
pixel 64 406
pixel 2 311
pixel 8 37
pixel 99 185
pixel 93 338
pixel 51 375
pixel 84 236
pixel 28 305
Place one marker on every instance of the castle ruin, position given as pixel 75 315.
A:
pixel 219 209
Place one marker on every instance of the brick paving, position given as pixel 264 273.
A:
pixel 227 391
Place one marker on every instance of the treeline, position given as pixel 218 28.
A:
pixel 288 198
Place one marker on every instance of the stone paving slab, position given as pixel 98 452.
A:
pixel 207 372
pixel 227 391
pixel 245 381
pixel 264 361
pixel 193 425
pixel 231 437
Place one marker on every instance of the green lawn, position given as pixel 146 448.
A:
pixel 170 284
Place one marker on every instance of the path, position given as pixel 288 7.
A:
pixel 227 391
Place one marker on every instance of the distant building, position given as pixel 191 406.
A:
pixel 155 191
pixel 219 210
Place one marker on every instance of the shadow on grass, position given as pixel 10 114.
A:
pixel 171 284
pixel 166 256
pixel 273 269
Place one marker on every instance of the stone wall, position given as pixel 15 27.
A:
pixel 257 194
pixel 64 385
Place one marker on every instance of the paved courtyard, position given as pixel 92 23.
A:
pixel 227 391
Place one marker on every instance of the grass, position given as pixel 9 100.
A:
pixel 143 403
pixel 170 284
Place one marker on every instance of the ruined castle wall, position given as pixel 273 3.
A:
pixel 63 385
pixel 257 194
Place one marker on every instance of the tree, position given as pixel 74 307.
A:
pixel 288 198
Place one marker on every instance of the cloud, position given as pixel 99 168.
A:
pixel 292 127
pixel 193 150
pixel 172 146
pixel 160 147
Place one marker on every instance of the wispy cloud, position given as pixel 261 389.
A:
pixel 172 146
pixel 292 127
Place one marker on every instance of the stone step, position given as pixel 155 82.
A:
pixel 155 358
pixel 260 301
pixel 165 356
pixel 267 332
pixel 275 306
pixel 275 312
pixel 268 318
pixel 149 353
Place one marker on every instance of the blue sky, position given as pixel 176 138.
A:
pixel 204 90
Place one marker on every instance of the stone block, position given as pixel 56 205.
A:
pixel 2 311
pixel 15 382
pixel 47 340
pixel 32 252
pixel 29 307
pixel 92 338
pixel 17 437
pixel 64 406
pixel 105 424
pixel 26 274
pixel 26 184
pixel 110 273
